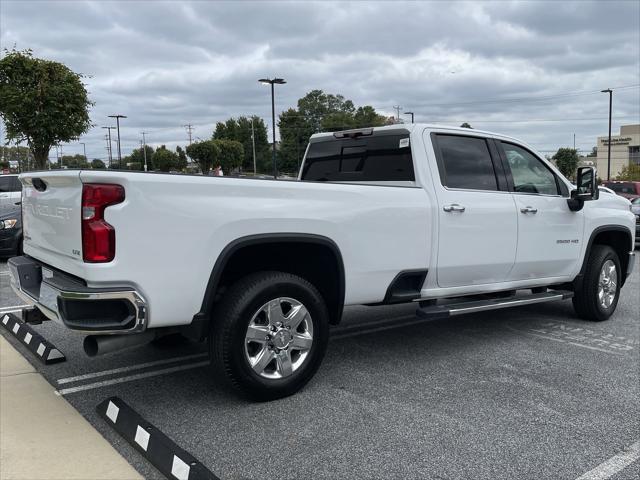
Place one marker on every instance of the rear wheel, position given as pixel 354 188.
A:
pixel 598 297
pixel 269 334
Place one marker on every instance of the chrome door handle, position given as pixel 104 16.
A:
pixel 529 210
pixel 454 207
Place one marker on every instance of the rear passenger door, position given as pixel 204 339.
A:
pixel 549 234
pixel 477 218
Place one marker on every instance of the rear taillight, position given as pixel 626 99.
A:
pixel 98 237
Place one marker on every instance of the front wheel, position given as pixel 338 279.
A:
pixel 269 334
pixel 598 297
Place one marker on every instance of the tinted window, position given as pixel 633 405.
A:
pixel 376 158
pixel 621 187
pixel 465 162
pixel 10 184
pixel 530 174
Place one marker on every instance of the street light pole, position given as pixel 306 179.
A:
pixel 84 149
pixel 409 113
pixel 118 117
pixel 610 92
pixel 144 148
pixel 253 142
pixel 272 82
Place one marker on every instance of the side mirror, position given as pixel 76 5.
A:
pixel 587 188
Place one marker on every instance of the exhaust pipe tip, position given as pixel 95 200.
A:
pixel 95 345
pixel 90 345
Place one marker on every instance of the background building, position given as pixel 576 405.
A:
pixel 625 150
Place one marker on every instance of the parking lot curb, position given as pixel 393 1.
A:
pixel 155 446
pixel 43 350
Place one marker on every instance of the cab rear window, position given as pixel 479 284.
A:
pixel 377 158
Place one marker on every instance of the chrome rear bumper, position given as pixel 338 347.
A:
pixel 66 299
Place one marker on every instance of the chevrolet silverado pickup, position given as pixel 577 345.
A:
pixel 452 219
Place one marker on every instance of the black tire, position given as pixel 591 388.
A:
pixel 230 321
pixel 585 301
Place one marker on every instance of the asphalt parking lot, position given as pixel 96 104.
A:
pixel 529 393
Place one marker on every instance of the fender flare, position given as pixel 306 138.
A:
pixel 227 252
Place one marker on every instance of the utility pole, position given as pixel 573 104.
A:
pixel 109 144
pixel 118 117
pixel 253 142
pixel 610 92
pixel 397 108
pixel 144 147
pixel 189 128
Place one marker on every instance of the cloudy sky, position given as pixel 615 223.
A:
pixel 530 69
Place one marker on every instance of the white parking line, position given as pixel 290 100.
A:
pixel 615 464
pixel 128 368
pixel 130 378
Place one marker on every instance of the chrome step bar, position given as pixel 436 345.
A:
pixel 434 312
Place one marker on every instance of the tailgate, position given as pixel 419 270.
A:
pixel 51 203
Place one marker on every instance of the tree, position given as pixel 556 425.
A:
pixel 165 160
pixel 97 163
pixel 205 154
pixel 240 130
pixel 231 154
pixel 74 161
pixel 135 160
pixel 630 173
pixel 41 102
pixel 593 153
pixel 466 125
pixel 566 159
pixel 182 158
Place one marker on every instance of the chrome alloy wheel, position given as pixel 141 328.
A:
pixel 607 284
pixel 278 338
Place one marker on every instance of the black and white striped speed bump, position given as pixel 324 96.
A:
pixel 155 446
pixel 44 351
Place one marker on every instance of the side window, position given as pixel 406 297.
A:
pixel 372 159
pixel 17 186
pixel 465 162
pixel 6 184
pixel 530 174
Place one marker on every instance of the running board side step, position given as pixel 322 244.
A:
pixel 434 312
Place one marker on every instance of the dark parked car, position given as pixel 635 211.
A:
pixel 11 231
pixel 624 189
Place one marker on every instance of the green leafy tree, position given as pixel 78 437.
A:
pixel 165 160
pixel 205 154
pixel 593 153
pixel 74 161
pixel 97 163
pixel 466 125
pixel 21 155
pixel 41 102
pixel 367 116
pixel 135 160
pixel 182 159
pixel 630 173
pixel 566 159
pixel 231 154
pixel 240 130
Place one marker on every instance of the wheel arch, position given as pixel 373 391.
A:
pixel 617 237
pixel 268 252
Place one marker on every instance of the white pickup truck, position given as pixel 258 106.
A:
pixel 455 220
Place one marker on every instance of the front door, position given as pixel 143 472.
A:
pixel 477 217
pixel 549 234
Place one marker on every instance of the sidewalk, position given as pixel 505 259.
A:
pixel 44 437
